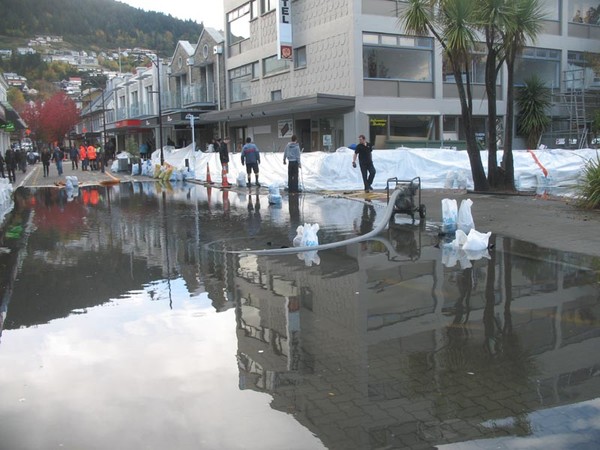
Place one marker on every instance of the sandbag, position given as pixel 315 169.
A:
pixel 465 217
pixel 449 215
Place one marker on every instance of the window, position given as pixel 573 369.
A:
pixel 276 95
pixel 545 63
pixel 273 65
pixel 238 22
pixel 267 5
pixel 580 72
pixel 476 67
pixel 240 81
pixel 397 57
pixel 584 11
pixel 551 9
pixel 300 57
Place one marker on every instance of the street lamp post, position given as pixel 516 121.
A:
pixel 191 118
pixel 160 131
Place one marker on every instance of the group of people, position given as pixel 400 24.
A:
pixel 292 155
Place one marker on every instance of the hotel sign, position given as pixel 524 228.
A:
pixel 284 29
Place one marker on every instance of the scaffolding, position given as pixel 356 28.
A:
pixel 573 108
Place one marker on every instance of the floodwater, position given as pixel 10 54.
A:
pixel 131 321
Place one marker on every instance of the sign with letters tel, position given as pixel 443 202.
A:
pixel 284 30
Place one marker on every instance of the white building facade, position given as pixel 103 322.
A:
pixel 355 71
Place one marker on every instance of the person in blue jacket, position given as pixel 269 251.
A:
pixel 251 158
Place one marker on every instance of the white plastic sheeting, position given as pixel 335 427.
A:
pixel 550 171
pixel 6 201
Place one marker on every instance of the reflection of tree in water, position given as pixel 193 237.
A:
pixel 476 363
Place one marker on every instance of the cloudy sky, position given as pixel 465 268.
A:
pixel 208 11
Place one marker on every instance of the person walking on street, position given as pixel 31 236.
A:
pixel 83 157
pixel 46 157
pixel 74 157
pixel 292 154
pixel 364 152
pixel 251 158
pixel 2 165
pixel 100 157
pixel 224 155
pixel 11 165
pixel 57 157
pixel 91 154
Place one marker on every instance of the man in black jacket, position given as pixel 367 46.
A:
pixel 364 151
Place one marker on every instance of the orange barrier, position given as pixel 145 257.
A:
pixel 208 179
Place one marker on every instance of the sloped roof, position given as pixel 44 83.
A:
pixel 215 34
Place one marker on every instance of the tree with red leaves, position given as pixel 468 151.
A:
pixel 58 116
pixel 51 120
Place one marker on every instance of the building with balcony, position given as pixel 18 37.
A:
pixel 328 70
pixel 353 69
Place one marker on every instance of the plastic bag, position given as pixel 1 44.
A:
pixel 306 236
pixel 477 241
pixel 449 215
pixel 465 218
pixel 241 179
pixel 274 196
pixel 298 239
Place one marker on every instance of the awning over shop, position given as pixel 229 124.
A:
pixel 12 117
pixel 309 103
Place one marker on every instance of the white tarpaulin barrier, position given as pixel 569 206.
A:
pixel 551 171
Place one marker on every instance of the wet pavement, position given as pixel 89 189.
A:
pixel 129 323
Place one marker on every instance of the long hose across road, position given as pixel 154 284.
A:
pixel 387 214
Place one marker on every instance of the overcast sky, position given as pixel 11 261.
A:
pixel 208 11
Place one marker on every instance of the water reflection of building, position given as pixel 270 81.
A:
pixel 365 349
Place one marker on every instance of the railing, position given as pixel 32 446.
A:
pixel 198 93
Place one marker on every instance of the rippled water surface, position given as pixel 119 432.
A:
pixel 131 320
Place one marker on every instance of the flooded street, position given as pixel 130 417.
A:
pixel 137 316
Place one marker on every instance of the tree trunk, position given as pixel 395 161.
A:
pixel 480 181
pixel 508 163
pixel 492 142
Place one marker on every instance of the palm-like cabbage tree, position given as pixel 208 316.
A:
pixel 452 23
pixel 525 26
pixel 533 100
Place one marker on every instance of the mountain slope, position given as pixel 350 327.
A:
pixel 95 24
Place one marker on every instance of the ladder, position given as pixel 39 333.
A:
pixel 574 92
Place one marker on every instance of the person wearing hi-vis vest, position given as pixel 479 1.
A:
pixel 91 154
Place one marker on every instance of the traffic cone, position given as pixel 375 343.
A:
pixel 208 179
pixel 224 180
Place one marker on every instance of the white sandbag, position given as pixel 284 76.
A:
pixel 465 217
pixel 449 215
pixel 241 179
pixel 477 241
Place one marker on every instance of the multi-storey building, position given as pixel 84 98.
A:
pixel 355 70
pixel 349 68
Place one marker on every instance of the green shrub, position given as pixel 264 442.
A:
pixel 589 187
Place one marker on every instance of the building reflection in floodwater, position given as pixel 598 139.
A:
pixel 379 345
